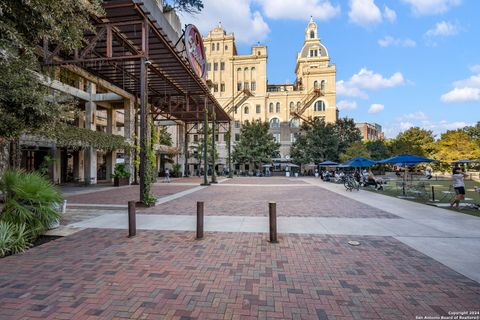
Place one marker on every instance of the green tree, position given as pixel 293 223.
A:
pixel 356 149
pixel 455 145
pixel 316 142
pixel 188 6
pixel 347 133
pixel 256 145
pixel 200 147
pixel 378 149
pixel 474 132
pixel 24 106
pixel 414 141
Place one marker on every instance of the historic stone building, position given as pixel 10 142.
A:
pixel 239 82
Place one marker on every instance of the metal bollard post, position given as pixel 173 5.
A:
pixel 272 212
pixel 199 220
pixel 433 194
pixel 132 223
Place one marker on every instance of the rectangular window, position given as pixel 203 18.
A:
pixel 254 86
pixel 215 66
pixel 226 47
pixel 239 86
pixel 237 124
pixel 209 66
pixel 258 108
pixel 218 46
pixel 222 66
pixel 293 137
pixel 276 136
pixel 237 136
pixel 195 138
pixel 246 86
pixel 222 87
pixel 213 46
pixel 215 87
pixel 216 137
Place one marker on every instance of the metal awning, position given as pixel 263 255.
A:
pixel 133 33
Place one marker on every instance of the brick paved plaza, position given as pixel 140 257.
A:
pixel 160 274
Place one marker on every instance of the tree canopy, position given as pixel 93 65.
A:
pixel 456 145
pixel 25 105
pixel 356 149
pixel 315 143
pixel 414 141
pixel 256 145
pixel 378 149
pixel 188 6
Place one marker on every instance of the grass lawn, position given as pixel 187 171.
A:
pixel 422 192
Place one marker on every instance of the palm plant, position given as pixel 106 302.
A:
pixel 30 199
pixel 13 238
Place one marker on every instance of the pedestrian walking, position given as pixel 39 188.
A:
pixel 458 181
pixel 167 176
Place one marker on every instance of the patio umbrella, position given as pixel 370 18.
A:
pixel 359 162
pixel 328 163
pixel 406 160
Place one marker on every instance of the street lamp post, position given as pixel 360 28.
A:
pixel 214 176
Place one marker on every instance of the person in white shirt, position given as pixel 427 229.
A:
pixel 167 176
pixel 459 185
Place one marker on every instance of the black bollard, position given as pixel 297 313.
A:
pixel 199 220
pixel 272 212
pixel 132 223
pixel 433 194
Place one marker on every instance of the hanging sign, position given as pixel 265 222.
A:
pixel 195 50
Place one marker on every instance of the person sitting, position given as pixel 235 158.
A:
pixel 371 181
pixel 428 173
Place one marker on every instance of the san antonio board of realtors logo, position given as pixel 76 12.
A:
pixel 195 50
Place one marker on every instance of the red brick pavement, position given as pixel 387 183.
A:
pixel 299 201
pixel 101 274
pixel 264 180
pixel 124 194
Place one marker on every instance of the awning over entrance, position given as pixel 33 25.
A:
pixel 134 40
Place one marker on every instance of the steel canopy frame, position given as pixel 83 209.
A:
pixel 124 36
pixel 130 50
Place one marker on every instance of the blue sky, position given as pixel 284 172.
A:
pixel 400 63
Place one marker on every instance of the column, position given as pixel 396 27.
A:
pixel 129 132
pixel 90 161
pixel 111 155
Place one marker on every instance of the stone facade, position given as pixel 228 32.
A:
pixel 239 82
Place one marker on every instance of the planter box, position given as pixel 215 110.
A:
pixel 117 182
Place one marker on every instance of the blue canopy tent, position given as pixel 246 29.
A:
pixel 406 160
pixel 359 162
pixel 328 163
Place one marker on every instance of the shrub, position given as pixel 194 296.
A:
pixel 30 200
pixel 121 171
pixel 13 238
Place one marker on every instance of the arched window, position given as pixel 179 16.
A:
pixel 292 105
pixel 294 123
pixel 245 109
pixel 253 74
pixel 312 34
pixel 270 107
pixel 277 107
pixel 319 106
pixel 298 105
pixel 322 85
pixel 315 84
pixel 274 123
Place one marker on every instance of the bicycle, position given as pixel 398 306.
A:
pixel 351 183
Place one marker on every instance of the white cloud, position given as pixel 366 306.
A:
pixel 466 90
pixel 431 7
pixel 388 41
pixel 238 17
pixel 346 105
pixel 389 14
pixel 443 28
pixel 301 9
pixel 364 13
pixel 367 79
pixel 418 115
pixel 475 68
pixel 461 95
pixel 344 89
pixel 376 108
